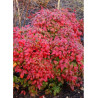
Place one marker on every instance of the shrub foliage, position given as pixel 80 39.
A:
pixel 48 52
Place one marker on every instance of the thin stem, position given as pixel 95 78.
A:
pixel 27 11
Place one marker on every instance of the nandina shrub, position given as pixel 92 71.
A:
pixel 64 32
pixel 49 48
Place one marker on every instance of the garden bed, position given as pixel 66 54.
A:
pixel 65 92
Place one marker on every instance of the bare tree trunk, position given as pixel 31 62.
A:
pixel 19 16
pixel 58 4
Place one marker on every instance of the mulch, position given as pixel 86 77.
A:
pixel 65 92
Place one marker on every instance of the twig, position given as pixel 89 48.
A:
pixel 14 13
pixel 27 12
pixel 23 8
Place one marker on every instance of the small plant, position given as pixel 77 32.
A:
pixel 54 86
pixel 49 52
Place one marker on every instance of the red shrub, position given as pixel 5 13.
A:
pixel 31 53
pixel 50 47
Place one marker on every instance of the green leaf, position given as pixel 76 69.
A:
pixel 60 84
pixel 48 91
pixel 56 90
pixel 25 85
pixel 21 82
pixel 57 59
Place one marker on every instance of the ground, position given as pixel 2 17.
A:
pixel 66 92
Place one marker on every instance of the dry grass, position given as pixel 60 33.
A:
pixel 21 8
pixel 41 2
